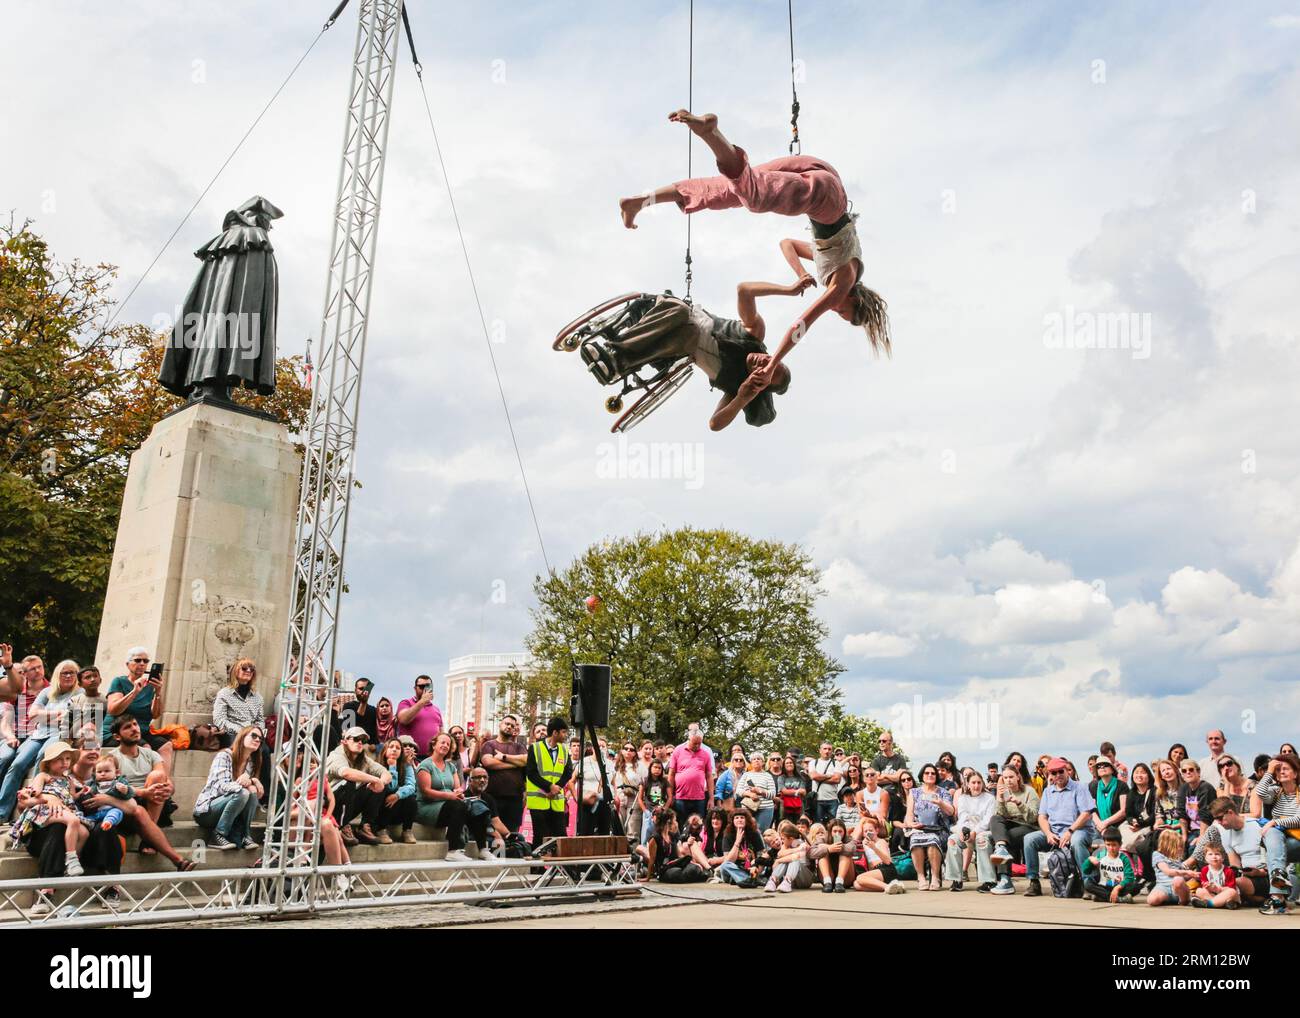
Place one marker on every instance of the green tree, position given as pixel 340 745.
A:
pixel 698 625
pixel 78 395
pixel 856 733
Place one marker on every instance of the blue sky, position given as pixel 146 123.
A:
pixel 1074 534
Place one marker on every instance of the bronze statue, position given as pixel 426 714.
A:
pixel 226 333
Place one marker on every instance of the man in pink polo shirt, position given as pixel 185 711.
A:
pixel 419 717
pixel 691 775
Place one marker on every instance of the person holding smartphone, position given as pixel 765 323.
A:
pixel 138 693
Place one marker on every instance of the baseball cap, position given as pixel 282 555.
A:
pixel 357 732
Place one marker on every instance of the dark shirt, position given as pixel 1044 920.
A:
pixel 504 783
pixel 882 763
pixel 351 714
pixel 735 344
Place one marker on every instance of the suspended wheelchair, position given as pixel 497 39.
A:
pixel 652 383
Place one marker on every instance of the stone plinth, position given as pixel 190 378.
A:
pixel 203 561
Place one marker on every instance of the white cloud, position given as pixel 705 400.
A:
pixel 879 645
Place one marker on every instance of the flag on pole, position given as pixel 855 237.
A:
pixel 306 364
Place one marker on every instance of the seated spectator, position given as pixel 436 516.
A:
pixel 238 705
pixel 743 847
pixel 136 819
pixel 1110 797
pixel 1194 798
pixel 409 750
pixel 830 859
pixel 929 811
pixel 89 704
pixel 139 695
pixel 385 721
pixel 1039 779
pixel 1168 785
pixel 1015 816
pixel 875 869
pixel 482 820
pixel 1218 882
pixel 227 803
pixel 970 835
pixel 50 717
pixel 55 787
pixel 1233 783
pixel 1064 821
pixel 1242 841
pixel 141 767
pixel 898 801
pixel 709 853
pixel 1278 793
pixel 302 821
pixel 790 869
pixel 666 859
pixel 8 736
pixel 106 781
pixel 1108 873
pixel 402 799
pixel 1107 750
pixel 442 801
pixel 1139 817
pixel 359 784
pixel 1171 875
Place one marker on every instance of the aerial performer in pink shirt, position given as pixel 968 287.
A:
pixel 795 185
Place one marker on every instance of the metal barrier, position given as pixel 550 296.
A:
pixel 81 902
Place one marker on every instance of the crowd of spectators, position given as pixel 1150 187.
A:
pixel 78 767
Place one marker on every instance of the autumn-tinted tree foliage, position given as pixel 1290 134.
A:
pixel 77 397
pixel 698 625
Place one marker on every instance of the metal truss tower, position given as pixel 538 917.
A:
pixel 327 481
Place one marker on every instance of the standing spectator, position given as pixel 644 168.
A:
pixel 889 763
pixel 626 782
pixel 948 772
pixel 227 803
pixel 594 812
pixel 743 848
pixel 756 791
pixel 359 784
pixel 1015 817
pixel 546 773
pixel 1177 753
pixel 1109 795
pixel 1017 761
pixel 89 704
pixel 1233 783
pixel 1278 793
pixel 1107 749
pixel 442 800
pixel 1039 780
pixel 974 805
pixel 929 806
pixel 1064 821
pixel 825 774
pixel 724 791
pixel 691 775
pixel 49 714
pixel 1215 741
pixel 418 717
pixel 1194 800
pixel 848 811
pixel 238 705
pixel 504 758
pixel 402 794
pixel 875 799
pixel 358 713
pixel 460 753
pixel 137 695
pixel 791 787
pixel 654 794
pixel 385 721
pixel 12 684
pixel 8 736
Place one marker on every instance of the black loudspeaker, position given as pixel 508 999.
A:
pixel 595 682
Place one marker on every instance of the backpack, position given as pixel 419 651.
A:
pixel 1063 874
pixel 904 867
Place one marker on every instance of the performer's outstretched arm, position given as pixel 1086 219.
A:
pixel 794 251
pixel 729 406
pixel 746 302
pixel 836 294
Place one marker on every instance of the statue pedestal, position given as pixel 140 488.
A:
pixel 204 555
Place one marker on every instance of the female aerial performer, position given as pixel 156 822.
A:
pixel 789 186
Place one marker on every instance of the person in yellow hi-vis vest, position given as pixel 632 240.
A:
pixel 547 772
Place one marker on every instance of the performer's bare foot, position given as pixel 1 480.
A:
pixel 702 124
pixel 630 207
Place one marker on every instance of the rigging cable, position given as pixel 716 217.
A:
pixel 796 146
pixel 690 135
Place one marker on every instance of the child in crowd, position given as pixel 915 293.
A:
pixel 790 868
pixel 107 782
pixel 1218 882
pixel 1171 877
pixel 1108 874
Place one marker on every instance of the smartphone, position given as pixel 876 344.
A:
pixel 155 671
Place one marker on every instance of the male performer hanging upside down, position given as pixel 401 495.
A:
pixel 789 186
pixel 729 351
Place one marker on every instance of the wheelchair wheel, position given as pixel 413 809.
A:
pixel 613 314
pixel 614 404
pixel 655 396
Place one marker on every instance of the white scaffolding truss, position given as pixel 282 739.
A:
pixel 321 536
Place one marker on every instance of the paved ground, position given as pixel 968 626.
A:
pixel 713 906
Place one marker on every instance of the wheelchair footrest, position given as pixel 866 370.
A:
pixel 599 361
